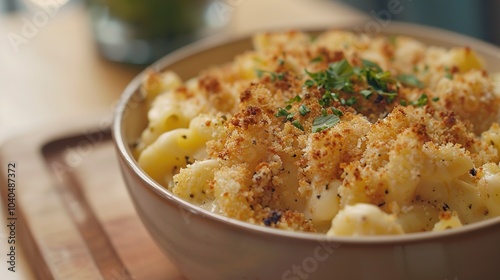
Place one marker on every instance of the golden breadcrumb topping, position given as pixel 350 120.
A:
pixel 331 134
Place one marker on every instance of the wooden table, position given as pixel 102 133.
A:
pixel 56 79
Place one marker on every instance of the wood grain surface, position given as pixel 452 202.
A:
pixel 76 219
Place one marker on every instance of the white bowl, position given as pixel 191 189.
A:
pixel 207 246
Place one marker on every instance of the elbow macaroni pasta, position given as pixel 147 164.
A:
pixel 239 139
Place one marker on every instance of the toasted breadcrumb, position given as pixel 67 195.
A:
pixel 415 150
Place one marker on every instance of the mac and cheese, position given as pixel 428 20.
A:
pixel 331 134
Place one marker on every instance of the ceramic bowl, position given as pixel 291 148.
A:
pixel 205 246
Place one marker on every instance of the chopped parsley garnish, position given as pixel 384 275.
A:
pixel 389 96
pixel 288 116
pixel 336 77
pixel 304 110
pixel 297 124
pixel 366 93
pixel 448 74
pixel 284 113
pixel 296 98
pixel 324 122
pixel 336 112
pixel 327 97
pixel 274 76
pixel 349 102
pixel 370 64
pixel 378 80
pixel 337 85
pixel 410 80
pixel 319 58
pixel 421 101
pixel 339 76
pixel 309 83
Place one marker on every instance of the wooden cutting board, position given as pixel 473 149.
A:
pixel 75 219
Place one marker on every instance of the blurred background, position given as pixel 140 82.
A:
pixel 170 24
pixel 65 61
pixel 478 19
pixel 140 32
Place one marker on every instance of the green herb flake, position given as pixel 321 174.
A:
pixel 341 69
pixel 304 110
pixel 319 58
pixel 435 99
pixel 315 76
pixel 296 98
pixel 327 98
pixel 336 77
pixel 297 124
pixel 421 101
pixel 309 83
pixel 390 96
pixel 284 113
pixel 323 112
pixel 274 76
pixel 378 80
pixel 366 93
pixel 370 64
pixel 324 122
pixel 410 80
pixel 340 76
pixel 403 102
pixel 351 101
pixel 448 73
pixel 281 113
pixel 336 112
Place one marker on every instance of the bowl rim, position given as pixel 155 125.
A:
pixel 395 28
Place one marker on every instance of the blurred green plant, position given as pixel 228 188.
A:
pixel 157 18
